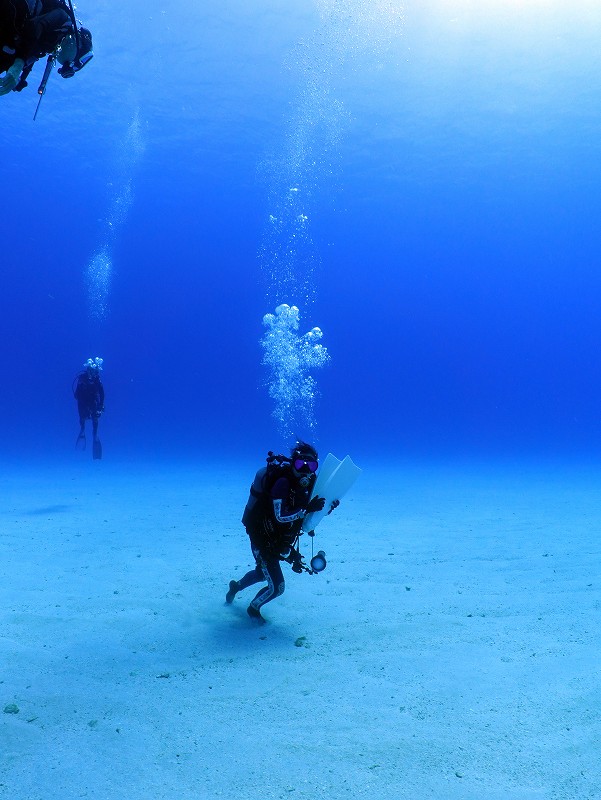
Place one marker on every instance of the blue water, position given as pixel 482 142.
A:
pixel 431 174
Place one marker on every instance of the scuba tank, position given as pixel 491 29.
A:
pixel 262 483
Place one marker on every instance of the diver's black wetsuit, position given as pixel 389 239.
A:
pixel 89 393
pixel 31 29
pixel 273 518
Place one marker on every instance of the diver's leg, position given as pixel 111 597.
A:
pixel 83 414
pixel 254 576
pixel 96 443
pixel 272 572
pixel 80 442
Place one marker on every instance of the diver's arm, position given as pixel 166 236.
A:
pixel 43 33
pixel 281 515
pixel 283 512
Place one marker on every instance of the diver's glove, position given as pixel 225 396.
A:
pixel 335 504
pixel 315 504
pixel 11 79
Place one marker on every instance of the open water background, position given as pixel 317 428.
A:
pixel 443 230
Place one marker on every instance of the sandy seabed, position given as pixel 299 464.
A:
pixel 450 650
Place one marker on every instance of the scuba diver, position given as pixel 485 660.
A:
pixel 273 518
pixel 32 29
pixel 89 393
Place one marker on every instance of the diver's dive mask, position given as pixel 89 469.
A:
pixel 83 53
pixel 305 465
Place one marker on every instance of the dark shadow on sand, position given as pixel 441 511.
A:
pixel 235 633
pixel 58 509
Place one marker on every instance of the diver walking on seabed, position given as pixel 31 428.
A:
pixel 280 499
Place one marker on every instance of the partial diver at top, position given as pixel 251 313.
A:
pixel 32 29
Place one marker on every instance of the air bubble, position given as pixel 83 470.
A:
pixel 290 359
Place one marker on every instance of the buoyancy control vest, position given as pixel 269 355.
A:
pixel 259 518
pixel 30 29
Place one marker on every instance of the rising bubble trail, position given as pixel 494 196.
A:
pixel 349 34
pixel 99 270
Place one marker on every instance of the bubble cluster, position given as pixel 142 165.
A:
pixel 290 357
